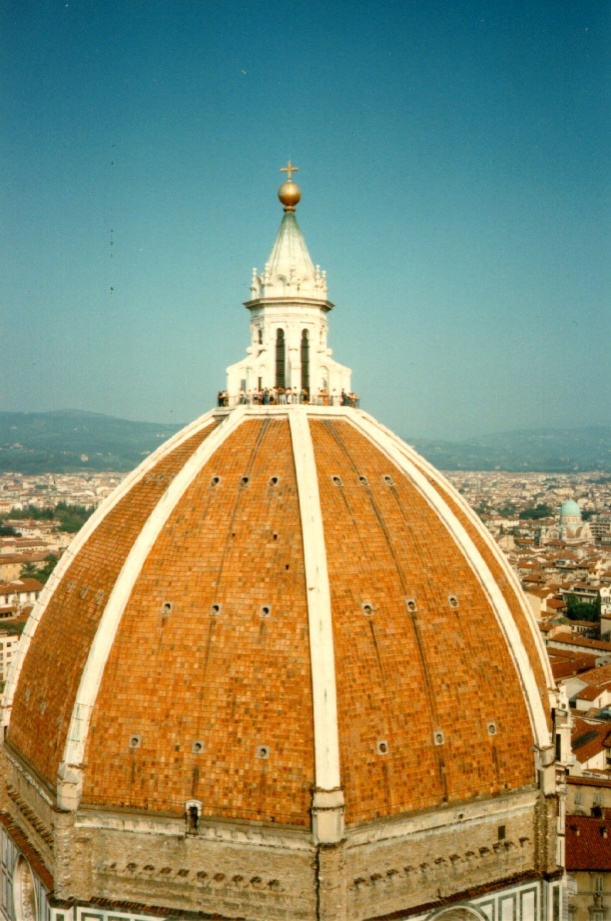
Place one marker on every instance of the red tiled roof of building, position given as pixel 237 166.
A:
pixel 597 676
pixel 588 843
pixel 591 692
pixel 590 749
pixel 567 666
pixel 23 558
pixel 540 592
pixel 572 639
pixel 589 738
pixel 21 585
pixel 581 781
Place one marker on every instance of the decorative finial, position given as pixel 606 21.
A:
pixel 289 192
pixel 289 169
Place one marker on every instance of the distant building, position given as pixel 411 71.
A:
pixel 588 864
pixel 600 526
pixel 11 564
pixel 585 793
pixel 591 744
pixel 567 640
pixel 605 611
pixel 570 529
pixel 9 640
pixel 21 545
pixel 20 592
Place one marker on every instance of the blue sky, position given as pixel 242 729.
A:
pixel 454 172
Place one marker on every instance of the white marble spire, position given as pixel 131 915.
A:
pixel 289 269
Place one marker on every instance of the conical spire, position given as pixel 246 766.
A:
pixel 289 269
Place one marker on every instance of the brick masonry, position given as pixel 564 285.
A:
pixel 206 697
pixel 403 675
pixel 43 707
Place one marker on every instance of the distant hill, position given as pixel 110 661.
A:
pixel 70 441
pixel 547 451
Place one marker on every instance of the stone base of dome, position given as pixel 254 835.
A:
pixel 115 891
pixel 482 851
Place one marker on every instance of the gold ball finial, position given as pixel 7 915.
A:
pixel 289 192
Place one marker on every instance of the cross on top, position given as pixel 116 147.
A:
pixel 289 169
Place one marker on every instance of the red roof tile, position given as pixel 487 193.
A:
pixel 588 843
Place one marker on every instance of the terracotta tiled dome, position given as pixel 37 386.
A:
pixel 283 672
pixel 281 599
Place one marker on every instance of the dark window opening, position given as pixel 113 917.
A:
pixel 280 359
pixel 305 360
pixel 192 819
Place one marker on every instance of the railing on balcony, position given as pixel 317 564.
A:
pixel 277 396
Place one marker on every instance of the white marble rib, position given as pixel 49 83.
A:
pixel 394 449
pixel 113 612
pixel 412 455
pixel 326 736
pixel 73 549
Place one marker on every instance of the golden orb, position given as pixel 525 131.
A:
pixel 289 194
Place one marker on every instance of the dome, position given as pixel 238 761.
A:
pixel 570 509
pixel 268 603
pixel 283 671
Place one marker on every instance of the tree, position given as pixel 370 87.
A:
pixel 43 572
pixel 32 511
pixel 539 511
pixel 72 517
pixel 577 609
pixel 29 571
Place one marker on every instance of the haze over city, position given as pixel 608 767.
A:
pixel 452 164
